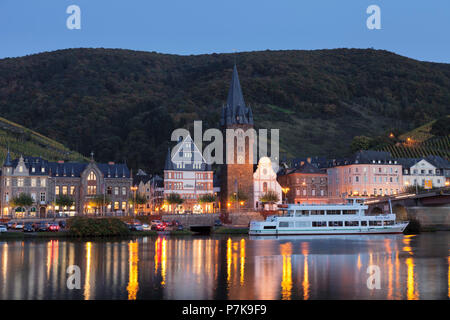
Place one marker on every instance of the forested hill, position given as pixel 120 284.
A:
pixel 124 104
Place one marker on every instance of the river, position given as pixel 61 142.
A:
pixel 235 267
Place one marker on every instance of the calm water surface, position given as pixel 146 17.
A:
pixel 320 267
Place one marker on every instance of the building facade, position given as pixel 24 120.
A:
pixel 304 184
pixel 420 172
pixel 367 174
pixel 187 174
pixel 44 181
pixel 265 180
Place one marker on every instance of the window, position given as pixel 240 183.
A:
pixel 284 224
pixel 317 212
pixel 374 223
pixel 363 223
pixel 319 223
pixel 57 190
pixel 116 205
pixel 42 182
pixel 124 191
pixel 335 223
pixel 33 182
pixel 92 176
pixel 92 190
pixel 72 190
pixel 42 196
pixel 265 187
pixel 64 190
pixel 349 212
pixel 7 182
pixel 42 169
pixel 116 191
pixel 33 196
pixel 20 169
pixel 351 223
pixel 20 182
pixel 124 205
pixel 333 212
pixel 109 190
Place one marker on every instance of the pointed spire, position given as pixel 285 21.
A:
pixel 8 162
pixel 236 111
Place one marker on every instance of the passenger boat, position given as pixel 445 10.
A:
pixel 313 219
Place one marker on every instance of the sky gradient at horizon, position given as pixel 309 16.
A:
pixel 417 29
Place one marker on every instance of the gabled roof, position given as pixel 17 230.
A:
pixel 183 158
pixel 235 111
pixel 438 162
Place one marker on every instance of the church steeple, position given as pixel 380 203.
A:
pixel 235 111
pixel 7 162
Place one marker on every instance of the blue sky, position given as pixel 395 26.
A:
pixel 416 28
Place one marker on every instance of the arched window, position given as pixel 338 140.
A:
pixel 92 176
pixel 265 187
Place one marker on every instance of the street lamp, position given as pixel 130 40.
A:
pixel 134 188
pixel 285 191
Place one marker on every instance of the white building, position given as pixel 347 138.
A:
pixel 264 180
pixel 186 173
pixel 422 173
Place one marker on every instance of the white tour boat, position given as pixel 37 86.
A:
pixel 349 218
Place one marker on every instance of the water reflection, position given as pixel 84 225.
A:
pixel 412 267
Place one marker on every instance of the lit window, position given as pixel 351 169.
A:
pixel 57 190
pixel 92 176
pixel 20 182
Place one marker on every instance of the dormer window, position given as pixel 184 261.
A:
pixel 33 169
pixel 20 169
pixel 42 169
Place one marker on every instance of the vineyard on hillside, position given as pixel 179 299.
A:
pixel 439 146
pixel 23 141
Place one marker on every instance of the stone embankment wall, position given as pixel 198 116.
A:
pixel 434 217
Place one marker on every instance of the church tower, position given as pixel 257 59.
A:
pixel 237 171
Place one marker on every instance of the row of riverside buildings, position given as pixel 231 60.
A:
pixel 311 180
pixel 44 181
pixel 187 174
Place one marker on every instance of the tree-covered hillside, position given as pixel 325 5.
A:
pixel 124 104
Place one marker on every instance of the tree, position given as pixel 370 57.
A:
pixel 64 200
pixel 22 200
pixel 101 200
pixel 207 198
pixel 139 199
pixel 360 143
pixel 174 198
pixel 269 197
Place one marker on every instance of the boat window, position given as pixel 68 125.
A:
pixel 270 227
pixel 317 212
pixel 332 212
pixel 302 224
pixel 363 223
pixel 335 223
pixel 319 223
pixel 302 212
pixel 285 224
pixel 375 223
pixel 349 212
pixel 351 223
pixel 290 213
pixel 389 223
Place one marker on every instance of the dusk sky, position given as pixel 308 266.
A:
pixel 414 28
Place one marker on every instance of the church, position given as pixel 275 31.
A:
pixel 241 187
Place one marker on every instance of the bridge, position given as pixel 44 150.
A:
pixel 429 207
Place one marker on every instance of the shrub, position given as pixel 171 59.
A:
pixel 97 227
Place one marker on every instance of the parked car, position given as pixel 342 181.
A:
pixel 62 224
pixel 217 223
pixel 135 227
pixel 43 226
pixel 161 227
pixel 28 227
pixel 3 228
pixel 10 225
pixel 54 227
pixel 155 222
pixel 18 226
pixel 146 227
pixel 180 227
